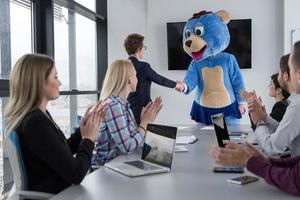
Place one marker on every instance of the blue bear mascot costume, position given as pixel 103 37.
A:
pixel 216 73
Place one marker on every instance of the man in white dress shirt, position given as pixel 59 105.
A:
pixel 274 137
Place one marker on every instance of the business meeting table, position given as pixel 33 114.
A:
pixel 191 177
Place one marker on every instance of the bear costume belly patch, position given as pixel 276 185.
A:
pixel 214 93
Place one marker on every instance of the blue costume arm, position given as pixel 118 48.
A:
pixel 236 78
pixel 191 78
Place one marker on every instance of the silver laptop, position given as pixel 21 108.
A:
pixel 157 154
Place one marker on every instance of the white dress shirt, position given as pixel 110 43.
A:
pixel 275 137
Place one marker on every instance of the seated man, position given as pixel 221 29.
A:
pixel 275 137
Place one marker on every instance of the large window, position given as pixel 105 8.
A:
pixel 75 50
pixel 61 111
pixel 21 42
pixel 1 150
pixel 86 53
pixel 16 33
pixel 90 4
pixel 1 118
pixel 61 45
pixel 75 56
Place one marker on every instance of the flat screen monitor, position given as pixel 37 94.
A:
pixel 239 46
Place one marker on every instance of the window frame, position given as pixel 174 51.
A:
pixel 43 40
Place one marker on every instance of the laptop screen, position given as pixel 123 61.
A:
pixel 159 144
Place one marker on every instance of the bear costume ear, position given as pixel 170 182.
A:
pixel 224 15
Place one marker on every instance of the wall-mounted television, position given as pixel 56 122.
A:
pixel 239 46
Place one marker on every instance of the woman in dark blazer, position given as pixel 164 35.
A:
pixel 134 46
pixel 280 96
pixel 52 162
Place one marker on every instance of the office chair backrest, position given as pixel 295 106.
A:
pixel 16 161
pixel 20 187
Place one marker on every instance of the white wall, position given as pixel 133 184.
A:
pixel 291 21
pixel 124 17
pixel 267 42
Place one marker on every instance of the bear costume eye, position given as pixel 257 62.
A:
pixel 187 33
pixel 199 31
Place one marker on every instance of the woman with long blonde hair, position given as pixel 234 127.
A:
pixel 47 154
pixel 119 132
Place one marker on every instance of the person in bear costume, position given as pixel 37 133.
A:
pixel 216 73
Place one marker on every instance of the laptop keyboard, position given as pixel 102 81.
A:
pixel 141 165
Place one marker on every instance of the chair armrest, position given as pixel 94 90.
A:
pixel 14 194
pixel 34 195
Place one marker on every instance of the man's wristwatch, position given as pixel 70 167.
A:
pixel 260 123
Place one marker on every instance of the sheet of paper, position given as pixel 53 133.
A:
pixel 207 128
pixel 181 148
pixel 182 140
pixel 186 139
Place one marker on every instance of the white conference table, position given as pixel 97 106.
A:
pixel 191 178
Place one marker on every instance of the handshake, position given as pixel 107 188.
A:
pixel 180 86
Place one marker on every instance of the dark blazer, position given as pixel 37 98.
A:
pixel 278 110
pixel 145 75
pixel 48 155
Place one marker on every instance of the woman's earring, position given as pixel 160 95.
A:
pixel 278 90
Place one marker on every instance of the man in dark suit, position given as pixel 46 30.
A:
pixel 134 46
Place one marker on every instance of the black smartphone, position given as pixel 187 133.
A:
pixel 220 127
pixel 241 180
pixel 228 170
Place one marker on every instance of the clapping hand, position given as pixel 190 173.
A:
pixel 246 95
pixel 90 124
pixel 242 109
pixel 256 108
pixel 150 112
